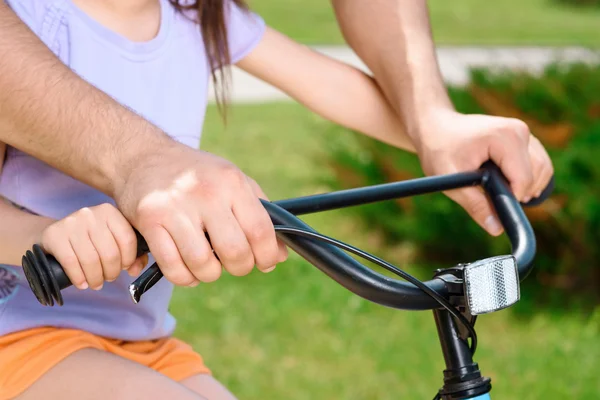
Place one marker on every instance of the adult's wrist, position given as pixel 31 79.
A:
pixel 149 145
pixel 424 125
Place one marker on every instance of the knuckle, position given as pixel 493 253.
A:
pixel 261 232
pixel 269 259
pixel 86 213
pixel 237 251
pixel 129 243
pixel 95 276
pixel 70 262
pixel 153 207
pixel 233 174
pixel 105 208
pixel 171 261
pixel 535 142
pixel 49 234
pixel 252 182
pixel 72 221
pixel 179 276
pixel 111 257
pixel 90 261
pixel 129 240
pixel 200 259
pixel 128 260
pixel 209 274
pixel 111 274
pixel 241 269
pixel 89 257
pixel 520 129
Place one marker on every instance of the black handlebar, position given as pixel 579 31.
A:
pixel 47 278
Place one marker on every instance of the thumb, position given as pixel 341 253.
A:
pixel 478 207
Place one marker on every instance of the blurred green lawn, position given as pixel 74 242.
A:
pixel 295 334
pixel 456 22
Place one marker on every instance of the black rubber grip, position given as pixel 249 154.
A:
pixel 47 277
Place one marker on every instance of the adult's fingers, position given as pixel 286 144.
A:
pixel 229 242
pixel 194 248
pixel 163 248
pixel 510 152
pixel 476 204
pixel 541 166
pixel 282 251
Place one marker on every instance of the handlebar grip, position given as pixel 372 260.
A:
pixel 47 277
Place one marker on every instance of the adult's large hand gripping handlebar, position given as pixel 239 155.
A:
pixel 47 278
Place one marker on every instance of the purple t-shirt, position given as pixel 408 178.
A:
pixel 166 81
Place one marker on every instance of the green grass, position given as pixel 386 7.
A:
pixel 458 22
pixel 295 334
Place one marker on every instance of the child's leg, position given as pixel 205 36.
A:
pixel 208 387
pixel 93 374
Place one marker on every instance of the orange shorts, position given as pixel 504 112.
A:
pixel 25 356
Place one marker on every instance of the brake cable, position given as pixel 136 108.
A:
pixel 395 270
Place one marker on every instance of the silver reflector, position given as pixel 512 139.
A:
pixel 491 284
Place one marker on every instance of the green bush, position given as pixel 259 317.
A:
pixel 562 107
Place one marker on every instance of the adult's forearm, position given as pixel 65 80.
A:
pixel 393 37
pixel 46 110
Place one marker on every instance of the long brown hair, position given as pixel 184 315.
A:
pixel 210 16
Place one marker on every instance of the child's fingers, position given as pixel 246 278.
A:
pixel 65 255
pixel 67 258
pixel 137 267
pixel 108 251
pixel 89 259
pixel 124 237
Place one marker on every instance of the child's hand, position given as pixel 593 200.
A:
pixel 93 245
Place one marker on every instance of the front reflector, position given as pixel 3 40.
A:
pixel 491 284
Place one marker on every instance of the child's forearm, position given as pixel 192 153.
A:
pixel 19 230
pixel 353 99
pixel 332 89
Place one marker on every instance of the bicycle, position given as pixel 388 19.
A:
pixel 457 295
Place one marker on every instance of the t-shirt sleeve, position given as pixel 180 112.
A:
pixel 245 29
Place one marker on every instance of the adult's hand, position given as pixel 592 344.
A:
pixel 393 38
pixel 453 142
pixel 170 192
pixel 175 196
